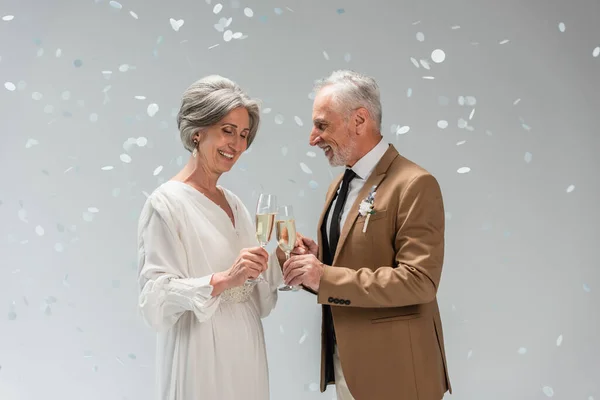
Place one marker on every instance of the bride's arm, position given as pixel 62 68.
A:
pixel 165 292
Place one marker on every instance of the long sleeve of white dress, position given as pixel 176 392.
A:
pixel 165 292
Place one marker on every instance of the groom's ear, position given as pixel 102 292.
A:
pixel 361 116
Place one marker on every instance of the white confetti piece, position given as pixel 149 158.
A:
pixel 158 170
pixel 37 96
pixel 141 141
pixel 284 151
pixel 559 340
pixel 281 330
pixel 106 74
pixel 415 62
pixel 463 170
pixel 59 248
pixel 528 157
pixel 217 8
pixel 438 56
pixel 311 154
pixel 471 100
pixel 8 18
pixel 586 288
pixel 58 53
pixel 442 124
pixel 107 168
pixel 347 57
pixel 116 192
pixel 22 214
pixel 469 354
pixel 279 119
pixel 548 391
pixel 522 350
pixel 402 130
pixel 267 110
pixel 39 230
pixel 298 121
pixel 596 52
pixel 87 216
pixel 119 360
pixel 176 24
pixel 504 41
pixel 305 168
pixel 462 124
pixel 248 12
pixel 425 64
pixel 140 97
pixel 313 387
pixel 133 14
pixel 461 142
pixel 430 78
pixel 472 114
pixel 238 35
pixel 213 46
pixel 409 92
pixel 93 210
pixel 228 35
pixel 455 27
pixel 326 55
pixel 570 188
pixel 126 158
pixel 517 101
pixel 420 36
pixel 10 86
pixel 152 109
pixel 303 337
pixel 93 117
pixel 116 5
pixel 30 143
pixel 561 27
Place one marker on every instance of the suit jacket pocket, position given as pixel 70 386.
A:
pixel 379 214
pixel 402 317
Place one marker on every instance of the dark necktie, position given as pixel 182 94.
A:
pixel 334 229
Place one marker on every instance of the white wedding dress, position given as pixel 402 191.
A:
pixel 208 348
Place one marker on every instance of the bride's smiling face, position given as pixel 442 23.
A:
pixel 222 144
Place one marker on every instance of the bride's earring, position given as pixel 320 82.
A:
pixel 195 152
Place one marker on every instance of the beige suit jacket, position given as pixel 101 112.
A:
pixel 382 287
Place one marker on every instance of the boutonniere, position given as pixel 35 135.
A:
pixel 366 207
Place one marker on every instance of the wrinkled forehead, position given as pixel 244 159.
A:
pixel 324 106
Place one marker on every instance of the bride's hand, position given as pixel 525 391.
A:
pixel 250 263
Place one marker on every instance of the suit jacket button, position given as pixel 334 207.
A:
pixel 336 301
pixel 330 299
pixel 347 302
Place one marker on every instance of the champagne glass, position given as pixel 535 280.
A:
pixel 285 228
pixel 266 209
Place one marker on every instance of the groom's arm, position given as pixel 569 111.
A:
pixel 419 244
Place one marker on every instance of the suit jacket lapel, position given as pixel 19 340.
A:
pixel 375 179
pixel 330 196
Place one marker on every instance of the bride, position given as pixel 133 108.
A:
pixel 197 249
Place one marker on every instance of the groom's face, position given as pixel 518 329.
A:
pixel 331 129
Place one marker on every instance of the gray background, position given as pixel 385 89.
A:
pixel 519 292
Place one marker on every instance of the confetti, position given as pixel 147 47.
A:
pixel 152 109
pixel 570 188
pixel 596 52
pixel 469 354
pixel 122 68
pixel 586 288
pixel 217 8
pixel 347 57
pixel 326 55
pixel 504 41
pixel 522 350
pixel 58 53
pixel 278 11
pixel 39 230
pixel 37 96
pixel 561 27
pixel 248 12
pixel 298 121
pixel 559 340
pixel 158 170
pixel 463 170
pixel 116 5
pixel 548 391
pixel 133 14
pixel 305 168
pixel 93 117
pixel 107 168
pixel 402 130
pixel 420 36
pixel 59 248
pixel 442 124
pixel 438 56
pixel 77 63
pixel 141 141
pixel 425 64
pixel 126 158
pixel 8 18
pixel 284 151
pixel 461 142
pixel 10 86
pixel 415 62
pixel 176 24
pixel 311 154
pixel 303 337
pixel 279 119
pixel 30 143
pixel 313 387
pixel 409 92
pixel 228 35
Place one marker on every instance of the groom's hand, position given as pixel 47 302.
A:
pixel 305 245
pixel 304 270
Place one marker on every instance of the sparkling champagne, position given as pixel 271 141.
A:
pixel 286 234
pixel 264 227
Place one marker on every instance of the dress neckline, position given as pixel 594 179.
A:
pixel 228 199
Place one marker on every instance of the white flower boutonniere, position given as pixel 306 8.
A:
pixel 366 207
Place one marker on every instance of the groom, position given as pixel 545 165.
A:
pixel 377 267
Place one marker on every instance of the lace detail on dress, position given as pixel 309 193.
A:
pixel 237 294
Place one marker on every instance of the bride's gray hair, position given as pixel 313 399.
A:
pixel 209 100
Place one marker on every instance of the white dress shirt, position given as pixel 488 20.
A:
pixel 363 169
